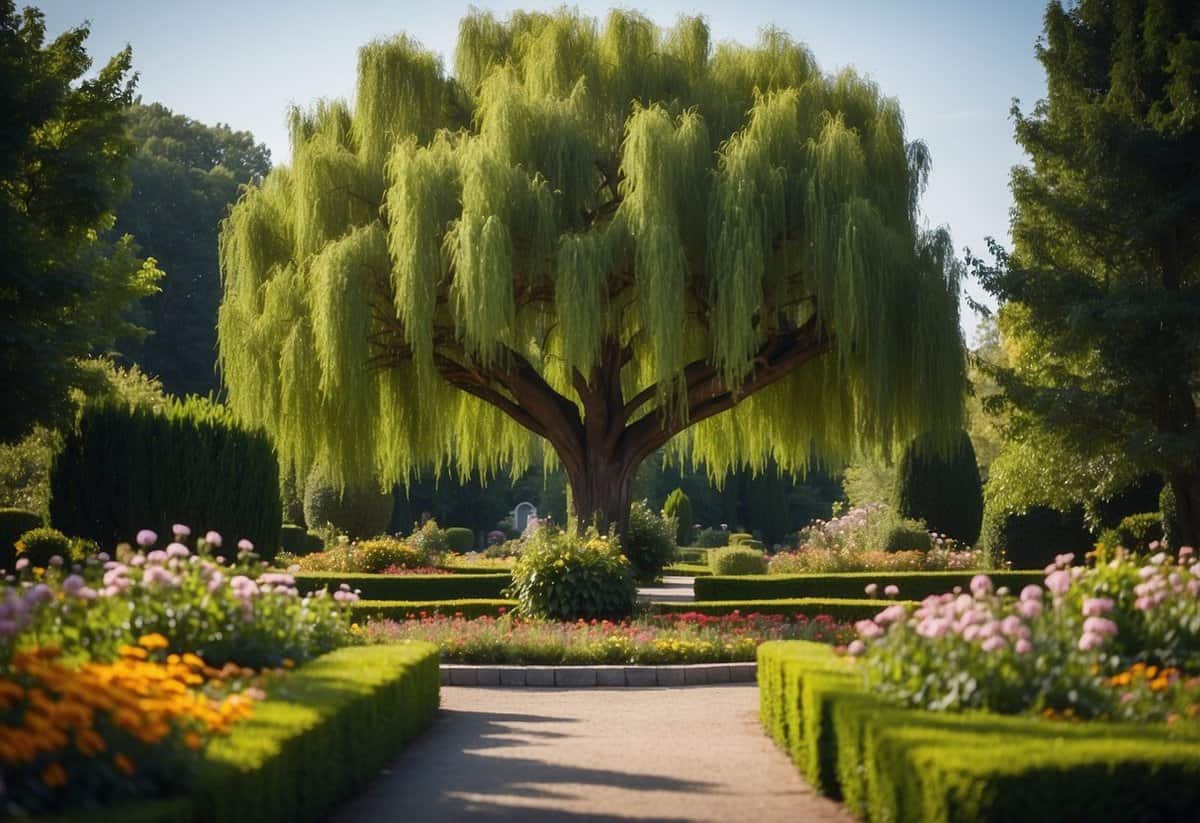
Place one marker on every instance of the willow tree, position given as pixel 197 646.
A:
pixel 596 235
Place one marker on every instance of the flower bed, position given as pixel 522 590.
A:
pixel 467 608
pixel 683 638
pixel 409 587
pixel 911 585
pixel 808 607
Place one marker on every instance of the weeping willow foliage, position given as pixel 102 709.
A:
pixel 576 182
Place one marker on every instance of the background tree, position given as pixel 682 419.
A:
pixel 599 236
pixel 941 488
pixel 63 152
pixel 1102 290
pixel 185 175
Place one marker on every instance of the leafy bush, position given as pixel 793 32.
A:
pixel 459 539
pixel 943 491
pixel 1137 531
pixel 712 538
pixel 121 470
pixel 13 524
pixel 736 560
pixel 507 548
pixel 806 560
pixel 649 542
pixel 373 556
pixel 1033 538
pixel 359 510
pixel 907 538
pixel 1172 531
pixel 564 576
pixel 431 539
pixel 293 539
pixel 679 506
pixel 39 546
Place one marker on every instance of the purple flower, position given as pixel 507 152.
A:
pixel 213 539
pixel 1058 582
pixel 56 560
pixel 1097 606
pixel 73 584
pixel 981 585
pixel 180 531
pixel 891 614
pixel 146 538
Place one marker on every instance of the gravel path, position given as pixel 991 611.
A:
pixel 540 755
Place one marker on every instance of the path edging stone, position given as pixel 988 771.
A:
pixel 576 677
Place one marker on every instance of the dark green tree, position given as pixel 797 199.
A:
pixel 942 488
pixel 185 175
pixel 1101 293
pixel 600 235
pixel 63 154
pixel 679 506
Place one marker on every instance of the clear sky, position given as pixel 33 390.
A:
pixel 954 65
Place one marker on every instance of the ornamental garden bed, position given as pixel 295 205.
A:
pixel 911 585
pixel 411 587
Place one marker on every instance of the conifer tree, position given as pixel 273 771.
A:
pixel 601 235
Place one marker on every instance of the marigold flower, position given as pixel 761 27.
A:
pixel 153 641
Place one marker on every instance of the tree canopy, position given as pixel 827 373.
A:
pixel 184 177
pixel 1101 294
pixel 601 235
pixel 64 290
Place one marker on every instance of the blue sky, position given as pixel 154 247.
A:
pixel 955 66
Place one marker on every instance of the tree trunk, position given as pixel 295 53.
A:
pixel 601 494
pixel 1186 486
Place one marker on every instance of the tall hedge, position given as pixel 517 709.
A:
pixel 943 489
pixel 1031 539
pixel 122 470
pixel 359 510
pixel 679 506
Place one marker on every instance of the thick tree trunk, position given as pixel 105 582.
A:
pixel 1186 486
pixel 601 495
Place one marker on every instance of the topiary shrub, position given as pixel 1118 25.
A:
pixel 1172 531
pixel 313 543
pixel 459 539
pixel 905 538
pixel 712 538
pixel 1031 539
pixel 13 524
pixel 39 545
pixel 738 538
pixel 122 470
pixel 359 510
pixel 564 576
pixel 943 491
pixel 738 560
pixel 1137 531
pixel 649 541
pixel 293 539
pixel 679 506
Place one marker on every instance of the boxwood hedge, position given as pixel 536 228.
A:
pixel 912 585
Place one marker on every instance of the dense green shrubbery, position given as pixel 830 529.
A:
pixel 679 506
pixel 649 542
pixel 1137 531
pixel 459 539
pixel 942 491
pixel 121 470
pixel 1170 518
pixel 360 510
pixel 907 538
pixel 712 538
pixel 564 576
pixel 1033 538
pixel 293 539
pixel 40 545
pixel 738 538
pixel 737 560
pixel 13 524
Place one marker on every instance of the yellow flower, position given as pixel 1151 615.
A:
pixel 153 641
pixel 133 652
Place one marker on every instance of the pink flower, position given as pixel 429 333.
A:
pixel 1089 642
pixel 1101 626
pixel 1097 606
pixel 1064 559
pixel 856 648
pixel 1031 592
pixel 22 563
pixel 146 538
pixel 1023 646
pixel 1030 609
pixel 245 545
pixel 177 550
pixel 1185 551
pixel 1058 582
pixel 1144 604
pixel 180 531
pixel 1013 627
pixel 213 539
pixel 872 589
pixel 981 585
pixel 891 614
pixel 993 644
pixel 891 590
pixel 868 629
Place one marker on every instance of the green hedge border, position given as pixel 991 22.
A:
pixel 890 763
pixel 688 570
pixel 410 586
pixel 842 609
pixel 913 585
pixel 469 608
pixel 325 732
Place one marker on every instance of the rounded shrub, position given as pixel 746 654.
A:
pixel 13 524
pixel 358 510
pixel 1031 539
pixel 942 490
pixel 313 543
pixel 905 538
pixel 40 544
pixel 293 539
pixel 679 506
pixel 374 556
pixel 1137 531
pixel 459 539
pixel 738 560
pixel 565 576
pixel 649 542
pixel 1172 531
pixel 712 538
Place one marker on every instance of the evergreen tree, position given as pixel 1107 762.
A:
pixel 1102 290
pixel 599 235
pixel 941 488
pixel 679 506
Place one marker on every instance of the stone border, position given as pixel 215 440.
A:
pixel 699 674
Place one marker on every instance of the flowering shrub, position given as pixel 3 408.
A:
pixel 563 576
pixel 1055 648
pixel 661 640
pixel 202 604
pixel 42 547
pixel 101 732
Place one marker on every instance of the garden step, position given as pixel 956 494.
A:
pixel 673 590
pixel 572 677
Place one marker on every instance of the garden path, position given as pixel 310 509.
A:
pixel 672 590
pixel 541 755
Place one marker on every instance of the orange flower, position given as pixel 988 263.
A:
pixel 54 776
pixel 123 764
pixel 153 641
pixel 193 741
pixel 133 652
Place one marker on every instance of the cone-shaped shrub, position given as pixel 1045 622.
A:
pixel 941 488
pixel 122 470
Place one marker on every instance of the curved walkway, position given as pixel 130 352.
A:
pixel 541 755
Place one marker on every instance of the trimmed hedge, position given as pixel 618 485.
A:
pixel 461 540
pixel 479 569
pixel 293 539
pixel 913 585
pixel 843 610
pixel 942 490
pixel 410 586
pixel 688 570
pixel 897 764
pixel 470 608
pixel 738 559
pixel 693 554
pixel 324 733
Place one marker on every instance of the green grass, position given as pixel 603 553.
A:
pixel 688 569
pixel 912 585
pixel 410 586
